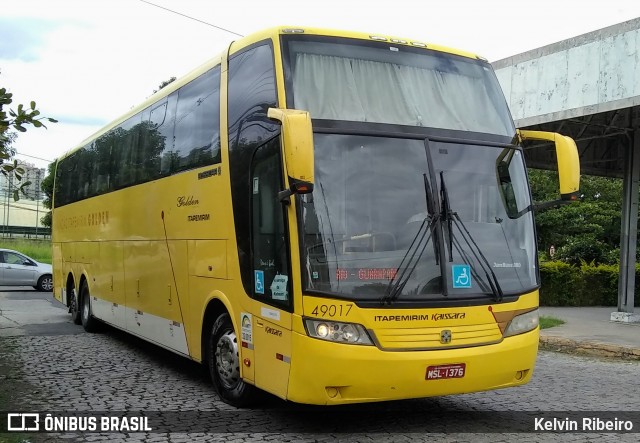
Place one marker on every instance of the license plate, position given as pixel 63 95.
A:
pixel 446 371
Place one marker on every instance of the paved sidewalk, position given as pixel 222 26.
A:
pixel 589 330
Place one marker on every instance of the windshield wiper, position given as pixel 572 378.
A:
pixel 446 214
pixel 431 210
pixel 399 281
pixel 452 218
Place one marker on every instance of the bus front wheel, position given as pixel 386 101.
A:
pixel 224 364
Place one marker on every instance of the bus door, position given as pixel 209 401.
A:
pixel 271 283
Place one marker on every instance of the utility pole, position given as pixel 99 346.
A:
pixel 4 207
pixel 9 182
pixel 37 196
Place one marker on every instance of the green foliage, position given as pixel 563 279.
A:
pixel 164 84
pixel 550 322
pixel 558 282
pixel 599 284
pixel 544 185
pixel 47 187
pixel 587 230
pixel 37 249
pixel 583 248
pixel 613 256
pixel 13 122
pixel 588 284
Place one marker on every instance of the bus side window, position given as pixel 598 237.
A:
pixel 126 138
pixel 269 245
pixel 197 124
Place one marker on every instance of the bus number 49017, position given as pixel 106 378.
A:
pixel 446 371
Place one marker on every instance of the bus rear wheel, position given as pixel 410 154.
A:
pixel 74 309
pixel 223 358
pixel 89 323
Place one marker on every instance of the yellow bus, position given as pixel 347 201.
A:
pixel 331 217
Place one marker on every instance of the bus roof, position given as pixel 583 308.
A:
pixel 270 33
pixel 283 30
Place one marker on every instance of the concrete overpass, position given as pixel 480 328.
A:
pixel 587 87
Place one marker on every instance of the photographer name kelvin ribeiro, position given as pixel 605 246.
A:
pixel 586 424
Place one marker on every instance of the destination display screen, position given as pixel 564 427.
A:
pixel 365 274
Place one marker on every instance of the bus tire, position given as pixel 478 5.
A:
pixel 89 322
pixel 224 364
pixel 74 308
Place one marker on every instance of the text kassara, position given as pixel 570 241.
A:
pixel 412 317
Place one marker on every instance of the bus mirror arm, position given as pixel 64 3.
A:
pixel 297 187
pixel 283 196
pixel 541 207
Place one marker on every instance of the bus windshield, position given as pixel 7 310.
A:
pixel 369 206
pixel 336 79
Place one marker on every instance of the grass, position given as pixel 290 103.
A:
pixel 550 322
pixel 39 250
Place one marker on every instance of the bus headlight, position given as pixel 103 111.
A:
pixel 522 323
pixel 339 332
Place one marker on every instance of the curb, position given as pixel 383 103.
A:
pixel 561 344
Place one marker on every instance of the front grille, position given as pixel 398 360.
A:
pixel 430 338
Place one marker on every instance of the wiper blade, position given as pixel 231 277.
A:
pixel 474 272
pixel 493 280
pixel 452 218
pixel 445 213
pixel 399 281
pixel 431 210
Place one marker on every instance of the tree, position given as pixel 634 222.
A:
pixel 13 122
pixel 587 230
pixel 164 83
pixel 47 188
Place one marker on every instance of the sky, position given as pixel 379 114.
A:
pixel 86 62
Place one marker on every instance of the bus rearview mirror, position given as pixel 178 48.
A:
pixel 297 146
pixel 568 161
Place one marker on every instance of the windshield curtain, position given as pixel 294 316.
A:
pixel 397 85
pixel 369 206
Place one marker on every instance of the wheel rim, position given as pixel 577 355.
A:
pixel 47 283
pixel 227 362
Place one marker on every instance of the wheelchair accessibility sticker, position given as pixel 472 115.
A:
pixel 259 279
pixel 461 276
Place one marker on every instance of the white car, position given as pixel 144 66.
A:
pixel 16 269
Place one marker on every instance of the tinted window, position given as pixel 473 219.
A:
pixel 15 259
pixel 66 180
pixel 269 240
pixel 197 127
pixel 252 90
pixel 126 154
pixel 162 120
pixel 179 132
